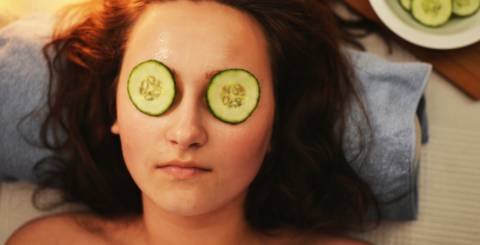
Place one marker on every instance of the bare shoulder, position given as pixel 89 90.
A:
pixel 289 238
pixel 52 229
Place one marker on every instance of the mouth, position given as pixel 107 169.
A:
pixel 185 170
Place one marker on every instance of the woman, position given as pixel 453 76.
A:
pixel 186 177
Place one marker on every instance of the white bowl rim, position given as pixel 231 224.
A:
pixel 420 38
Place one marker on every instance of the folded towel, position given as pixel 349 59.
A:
pixel 23 86
pixel 391 92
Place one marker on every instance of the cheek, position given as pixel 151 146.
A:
pixel 243 149
pixel 133 150
pixel 241 158
pixel 137 152
pixel 248 144
pixel 134 130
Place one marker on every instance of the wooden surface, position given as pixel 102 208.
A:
pixel 460 66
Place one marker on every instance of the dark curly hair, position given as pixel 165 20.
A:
pixel 305 183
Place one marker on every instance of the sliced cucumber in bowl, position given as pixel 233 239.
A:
pixel 436 13
pixel 465 7
pixel 406 4
pixel 432 13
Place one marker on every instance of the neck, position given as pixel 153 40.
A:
pixel 226 225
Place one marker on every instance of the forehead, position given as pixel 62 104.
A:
pixel 180 32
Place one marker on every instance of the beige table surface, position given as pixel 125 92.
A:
pixel 449 184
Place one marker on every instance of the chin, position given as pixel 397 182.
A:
pixel 184 204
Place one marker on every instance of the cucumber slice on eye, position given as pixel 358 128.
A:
pixel 232 95
pixel 151 87
pixel 465 7
pixel 432 13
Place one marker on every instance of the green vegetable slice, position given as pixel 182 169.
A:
pixel 432 13
pixel 232 95
pixel 151 87
pixel 406 4
pixel 465 7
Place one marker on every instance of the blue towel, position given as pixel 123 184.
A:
pixel 23 86
pixel 391 92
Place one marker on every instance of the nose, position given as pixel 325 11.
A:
pixel 186 130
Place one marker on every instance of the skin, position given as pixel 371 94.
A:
pixel 188 131
pixel 195 40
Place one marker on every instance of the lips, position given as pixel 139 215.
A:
pixel 180 164
pixel 183 170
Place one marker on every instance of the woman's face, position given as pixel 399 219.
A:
pixel 194 40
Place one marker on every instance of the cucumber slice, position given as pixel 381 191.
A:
pixel 432 13
pixel 232 95
pixel 151 87
pixel 406 4
pixel 465 7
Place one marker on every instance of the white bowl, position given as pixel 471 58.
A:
pixel 456 33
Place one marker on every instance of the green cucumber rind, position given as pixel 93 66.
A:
pixel 220 117
pixel 407 8
pixel 416 18
pixel 465 15
pixel 170 102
